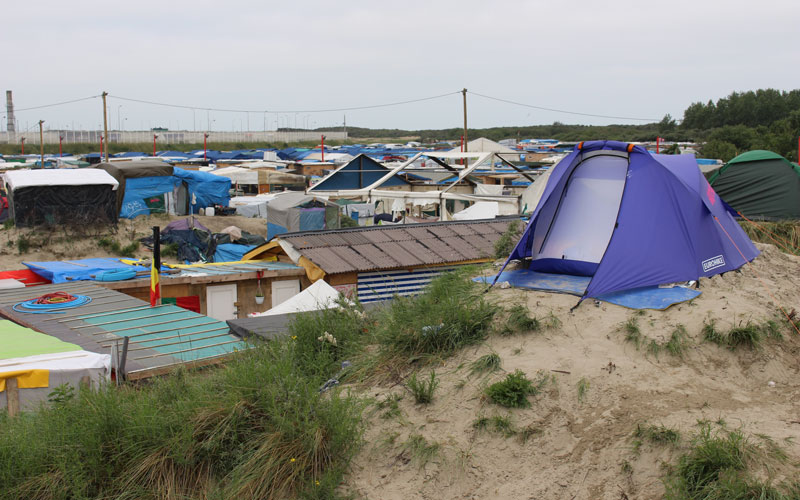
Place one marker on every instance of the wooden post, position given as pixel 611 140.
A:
pixel 466 141
pixel 105 122
pixel 41 141
pixel 12 397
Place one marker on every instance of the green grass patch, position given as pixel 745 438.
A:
pixel 422 390
pixel 513 391
pixel 508 240
pixel 657 434
pixel 485 364
pixel 748 334
pixel 723 464
pixel 451 314
pixel 420 450
pixel 583 388
pixel 632 332
pixel 497 423
pixel 519 321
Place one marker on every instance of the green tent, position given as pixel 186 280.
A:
pixel 760 184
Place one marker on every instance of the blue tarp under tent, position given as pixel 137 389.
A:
pixel 628 219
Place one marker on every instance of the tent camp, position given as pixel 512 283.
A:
pixel 61 196
pixel 261 180
pixel 295 211
pixel 760 184
pixel 152 185
pixel 627 219
pixel 32 364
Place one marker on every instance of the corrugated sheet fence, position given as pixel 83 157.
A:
pixel 382 285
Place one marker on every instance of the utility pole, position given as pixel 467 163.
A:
pixel 41 141
pixel 466 141
pixel 105 122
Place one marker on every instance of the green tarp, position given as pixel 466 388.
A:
pixel 19 342
pixel 760 184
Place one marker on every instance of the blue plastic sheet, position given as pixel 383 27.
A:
pixel 231 252
pixel 638 298
pixel 139 188
pixel 75 270
pixel 206 189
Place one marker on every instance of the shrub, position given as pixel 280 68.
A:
pixel 513 391
pixel 23 244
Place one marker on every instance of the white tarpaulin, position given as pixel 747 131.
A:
pixel 480 210
pixel 17 179
pixel 319 295
pixel 533 193
pixel 490 189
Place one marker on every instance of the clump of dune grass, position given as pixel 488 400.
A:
pixel 485 364
pixel 422 389
pixel 783 234
pixel 499 424
pixel 421 450
pixel 724 464
pixel 451 314
pixel 748 334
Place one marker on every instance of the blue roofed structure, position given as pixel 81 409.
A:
pixel 361 172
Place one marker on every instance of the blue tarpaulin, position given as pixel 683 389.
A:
pixel 205 189
pixel 75 270
pixel 231 252
pixel 139 188
pixel 652 297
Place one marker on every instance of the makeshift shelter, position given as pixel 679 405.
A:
pixel 294 211
pixel 628 219
pixel 478 210
pixel 261 180
pixel 61 197
pixel 484 145
pixel 359 173
pixel 32 364
pixel 760 184
pixel 152 185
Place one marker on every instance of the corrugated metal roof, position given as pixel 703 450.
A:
pixel 443 250
pixel 421 252
pixel 404 257
pixel 327 260
pixel 353 258
pixel 464 248
pixel 392 247
pixel 375 255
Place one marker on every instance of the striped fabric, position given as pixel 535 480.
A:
pixel 383 285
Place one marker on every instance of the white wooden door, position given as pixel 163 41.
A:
pixel 221 302
pixel 284 290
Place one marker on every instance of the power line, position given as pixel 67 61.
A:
pixel 16 110
pixel 562 110
pixel 331 110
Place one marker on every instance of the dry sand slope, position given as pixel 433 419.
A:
pixel 582 449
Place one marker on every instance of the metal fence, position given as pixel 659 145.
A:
pixel 165 137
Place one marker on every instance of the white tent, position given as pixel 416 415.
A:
pixel 484 145
pixel 479 210
pixel 319 295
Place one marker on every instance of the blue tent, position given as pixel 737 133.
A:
pixel 628 219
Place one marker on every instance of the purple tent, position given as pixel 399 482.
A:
pixel 630 219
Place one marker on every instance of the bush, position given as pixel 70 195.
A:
pixel 513 391
pixel 23 244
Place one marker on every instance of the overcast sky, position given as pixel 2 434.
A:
pixel 628 58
